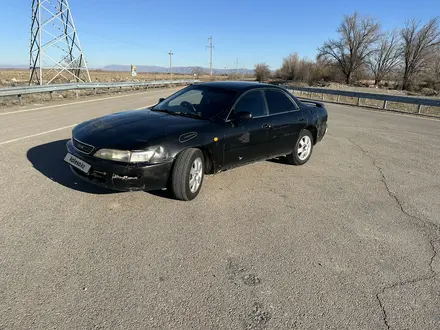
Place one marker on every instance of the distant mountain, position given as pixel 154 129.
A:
pixel 14 66
pixel 149 68
pixel 176 69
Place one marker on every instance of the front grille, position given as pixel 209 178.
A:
pixel 80 146
pixel 95 176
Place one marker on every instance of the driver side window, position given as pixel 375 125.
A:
pixel 193 96
pixel 252 102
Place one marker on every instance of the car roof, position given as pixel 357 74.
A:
pixel 239 86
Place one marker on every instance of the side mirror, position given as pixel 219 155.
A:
pixel 161 99
pixel 243 115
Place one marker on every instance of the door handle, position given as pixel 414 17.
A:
pixel 266 126
pixel 302 119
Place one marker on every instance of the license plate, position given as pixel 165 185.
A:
pixel 78 163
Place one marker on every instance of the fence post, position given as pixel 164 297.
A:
pixel 51 95
pixel 358 101
pixel 20 101
pixel 385 103
pixel 337 100
pixel 322 96
pixel 76 93
pixel 419 108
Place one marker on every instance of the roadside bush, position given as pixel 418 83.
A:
pixel 428 92
pixel 262 72
pixel 303 70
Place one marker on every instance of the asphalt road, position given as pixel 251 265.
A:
pixel 348 241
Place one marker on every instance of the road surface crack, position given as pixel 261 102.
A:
pixel 403 283
pixel 425 223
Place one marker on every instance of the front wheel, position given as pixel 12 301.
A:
pixel 187 175
pixel 303 149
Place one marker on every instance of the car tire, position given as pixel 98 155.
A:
pixel 187 174
pixel 303 149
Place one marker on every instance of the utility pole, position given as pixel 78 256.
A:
pixel 210 58
pixel 236 70
pixel 171 65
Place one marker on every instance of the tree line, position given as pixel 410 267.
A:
pixel 409 56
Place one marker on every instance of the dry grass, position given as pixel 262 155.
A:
pixel 377 104
pixel 15 77
pixel 377 90
pixel 40 98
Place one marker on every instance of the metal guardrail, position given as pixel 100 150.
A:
pixel 19 91
pixel 362 95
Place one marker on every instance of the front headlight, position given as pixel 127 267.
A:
pixel 150 155
pixel 111 154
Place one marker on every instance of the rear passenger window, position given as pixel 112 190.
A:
pixel 252 102
pixel 278 102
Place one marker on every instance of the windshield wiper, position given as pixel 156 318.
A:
pixel 162 110
pixel 180 113
pixel 186 114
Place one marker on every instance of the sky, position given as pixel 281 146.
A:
pixel 142 32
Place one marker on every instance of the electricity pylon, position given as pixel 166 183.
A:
pixel 55 51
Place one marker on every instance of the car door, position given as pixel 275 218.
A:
pixel 287 121
pixel 247 141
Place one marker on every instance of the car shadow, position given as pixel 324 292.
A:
pixel 279 160
pixel 162 194
pixel 48 159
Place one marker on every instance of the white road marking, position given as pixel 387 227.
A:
pixel 33 135
pixel 54 130
pixel 73 103
pixel 144 107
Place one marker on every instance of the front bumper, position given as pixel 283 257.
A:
pixel 121 177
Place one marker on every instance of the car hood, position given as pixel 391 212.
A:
pixel 133 130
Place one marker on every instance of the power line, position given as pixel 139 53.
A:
pixel 11 6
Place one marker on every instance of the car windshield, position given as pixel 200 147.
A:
pixel 199 102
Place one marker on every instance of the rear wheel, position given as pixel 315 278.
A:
pixel 187 175
pixel 303 149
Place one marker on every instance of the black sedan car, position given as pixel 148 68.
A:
pixel 202 129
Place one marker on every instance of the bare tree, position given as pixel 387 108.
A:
pixel 306 70
pixel 357 36
pixel 262 71
pixel 431 74
pixel 419 46
pixel 435 71
pixel 290 68
pixel 385 57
